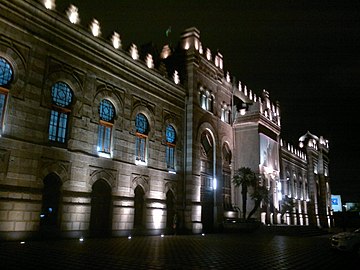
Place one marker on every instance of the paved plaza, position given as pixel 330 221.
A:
pixel 216 251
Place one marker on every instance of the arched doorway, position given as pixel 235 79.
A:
pixel 50 210
pixel 139 208
pixel 207 182
pixel 170 211
pixel 100 217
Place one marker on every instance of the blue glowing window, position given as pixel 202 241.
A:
pixel 61 94
pixel 170 147
pixel 6 72
pixel 106 111
pixel 142 129
pixel 2 107
pixel 170 134
pixel 104 138
pixel 142 125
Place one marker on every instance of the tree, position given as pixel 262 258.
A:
pixel 260 194
pixel 287 205
pixel 245 178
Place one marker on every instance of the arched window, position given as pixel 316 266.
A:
pixel 142 131
pixel 226 153
pixel 170 147
pixel 61 97
pixel 225 113
pixel 107 115
pixel 6 77
pixel 206 100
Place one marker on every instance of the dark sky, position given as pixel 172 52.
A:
pixel 305 53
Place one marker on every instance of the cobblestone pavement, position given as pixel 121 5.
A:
pixel 216 251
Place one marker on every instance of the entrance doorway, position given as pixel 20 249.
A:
pixel 139 208
pixel 50 214
pixel 170 211
pixel 207 210
pixel 100 217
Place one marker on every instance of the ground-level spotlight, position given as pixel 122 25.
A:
pixel 162 235
pixel 203 234
pixel 81 239
pixel 22 242
pixel 129 237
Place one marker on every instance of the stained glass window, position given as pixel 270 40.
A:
pixel 142 129
pixel 107 113
pixel 170 134
pixel 141 124
pixel 6 73
pixel 6 76
pixel 170 147
pixel 61 95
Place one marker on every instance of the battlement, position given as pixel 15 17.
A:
pixel 287 147
pixel 312 141
pixel 190 41
pixel 148 59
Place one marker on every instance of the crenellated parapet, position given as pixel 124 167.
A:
pixel 309 140
pixel 148 59
pixel 212 62
pixel 259 104
pixel 291 149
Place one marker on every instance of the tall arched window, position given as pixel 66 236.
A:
pixel 226 153
pixel 225 113
pixel 142 131
pixel 61 97
pixel 107 115
pixel 170 147
pixel 6 77
pixel 206 100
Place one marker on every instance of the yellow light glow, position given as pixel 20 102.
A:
pixel 196 44
pixel 49 4
pixel 176 77
pixel 208 54
pixel 134 52
pixel 187 46
pixel 157 216
pixel 73 14
pixel 115 39
pixel 149 61
pixel 95 28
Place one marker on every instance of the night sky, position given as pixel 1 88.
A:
pixel 305 53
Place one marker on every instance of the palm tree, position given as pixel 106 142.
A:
pixel 287 205
pixel 245 178
pixel 260 194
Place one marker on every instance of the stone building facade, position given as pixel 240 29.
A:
pixel 100 140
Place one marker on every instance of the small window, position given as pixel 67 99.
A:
pixel 107 114
pixel 142 130
pixel 170 147
pixel 206 100
pixel 6 76
pixel 61 96
pixel 6 73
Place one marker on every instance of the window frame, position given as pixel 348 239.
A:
pixel 104 142
pixel 141 142
pixel 170 149
pixel 60 112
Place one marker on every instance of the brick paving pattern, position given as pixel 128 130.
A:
pixel 217 251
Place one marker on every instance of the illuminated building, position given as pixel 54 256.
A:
pixel 98 139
